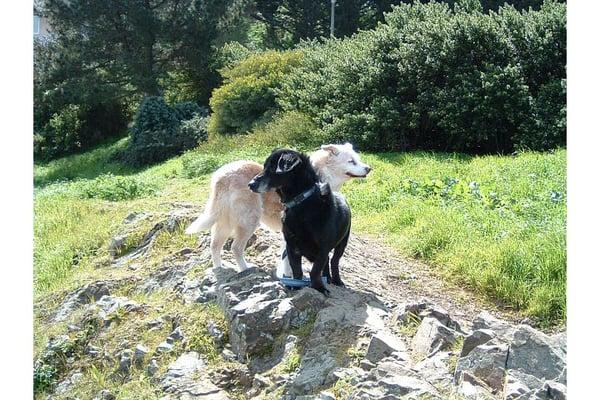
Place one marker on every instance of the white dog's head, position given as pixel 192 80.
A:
pixel 337 163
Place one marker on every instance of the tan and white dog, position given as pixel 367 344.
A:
pixel 234 210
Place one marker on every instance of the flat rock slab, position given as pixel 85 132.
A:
pixel 185 380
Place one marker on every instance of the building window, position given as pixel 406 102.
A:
pixel 36 25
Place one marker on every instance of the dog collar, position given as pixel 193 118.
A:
pixel 323 188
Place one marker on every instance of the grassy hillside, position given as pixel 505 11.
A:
pixel 494 223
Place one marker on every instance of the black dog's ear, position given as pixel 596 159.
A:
pixel 287 162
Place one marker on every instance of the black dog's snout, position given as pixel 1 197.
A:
pixel 253 185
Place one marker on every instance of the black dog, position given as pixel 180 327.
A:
pixel 315 220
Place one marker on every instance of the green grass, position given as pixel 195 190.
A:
pixel 495 224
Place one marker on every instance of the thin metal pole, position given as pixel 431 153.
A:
pixel 332 23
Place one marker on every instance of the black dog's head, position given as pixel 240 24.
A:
pixel 280 168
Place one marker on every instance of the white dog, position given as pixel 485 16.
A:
pixel 234 210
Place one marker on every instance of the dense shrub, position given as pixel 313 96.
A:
pixel 435 77
pixel 161 131
pixel 187 110
pixel 247 95
pixel 194 130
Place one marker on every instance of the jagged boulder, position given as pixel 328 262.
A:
pixel 535 353
pixel 487 363
pixel 476 338
pixel 432 337
pixel 382 345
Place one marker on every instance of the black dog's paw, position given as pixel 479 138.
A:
pixel 323 290
pixel 338 282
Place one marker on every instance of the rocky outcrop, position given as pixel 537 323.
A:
pixel 294 344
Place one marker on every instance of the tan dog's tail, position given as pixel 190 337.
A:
pixel 207 219
pixel 202 223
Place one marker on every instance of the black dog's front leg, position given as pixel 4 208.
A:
pixel 295 259
pixel 321 262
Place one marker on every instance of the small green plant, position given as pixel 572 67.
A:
pixel 291 363
pixel 410 326
pixel 342 389
pixel 456 349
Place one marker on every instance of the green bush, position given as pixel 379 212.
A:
pixel 247 96
pixel 159 132
pixel 439 78
pixel 199 164
pixel 291 128
pixel 114 188
pixel 188 109
pixel 194 130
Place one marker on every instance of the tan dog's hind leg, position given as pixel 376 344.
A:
pixel 218 236
pixel 242 235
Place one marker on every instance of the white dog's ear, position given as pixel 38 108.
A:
pixel 330 148
pixel 348 145
pixel 287 162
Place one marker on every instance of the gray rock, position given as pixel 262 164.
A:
pixel 152 367
pixel 252 307
pixel 486 362
pixel 535 353
pixel 442 316
pixel 177 334
pixel 228 355
pixel 326 395
pixel 125 361
pixel 93 351
pixel 217 334
pixel 555 390
pixel 108 305
pixel 402 313
pixel 84 295
pixel 185 379
pixel 68 383
pixel 436 370
pixel 366 365
pixel 471 388
pixel 432 337
pixel 169 275
pixel 117 245
pixel 383 345
pixel 485 320
pixel 519 383
pixel 136 217
pixel 140 353
pixel 390 380
pixel 260 381
pixel 353 375
pixel 164 347
pixel 105 395
pixel 476 338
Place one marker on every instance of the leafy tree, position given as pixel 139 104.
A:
pixel 135 42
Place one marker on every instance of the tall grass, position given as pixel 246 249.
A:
pixel 495 223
